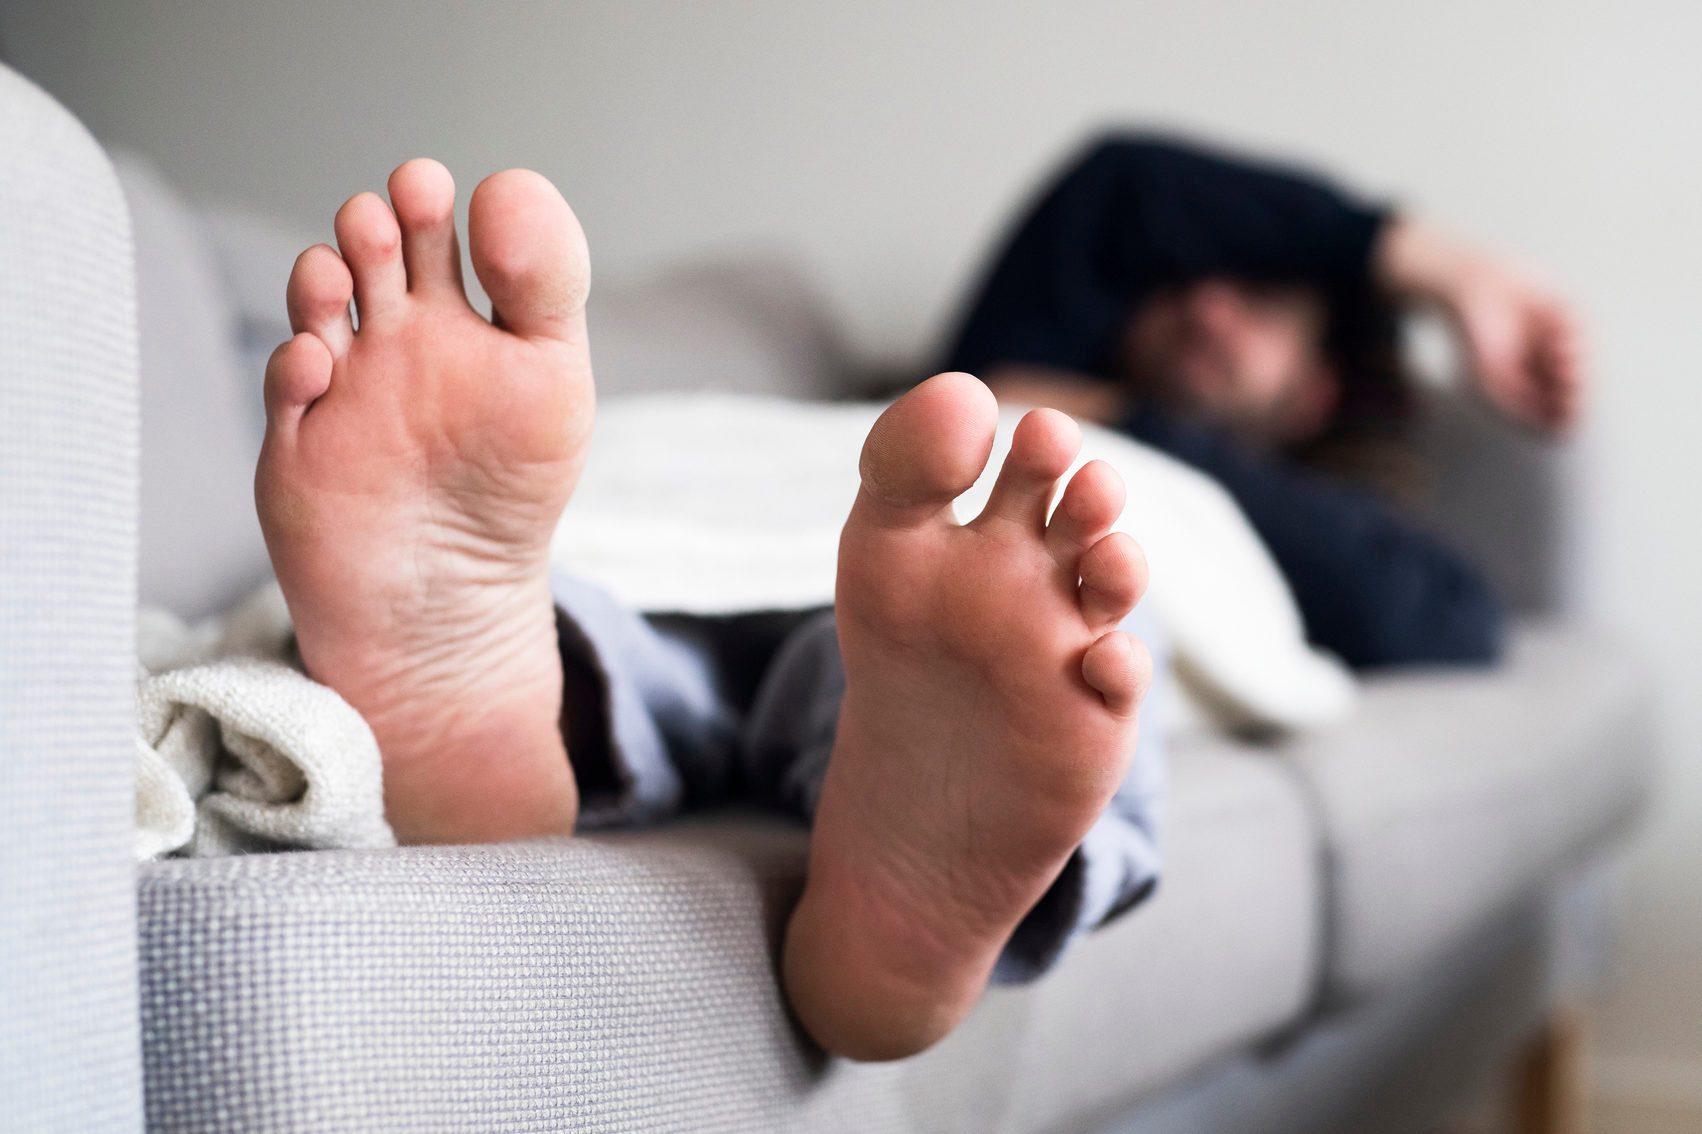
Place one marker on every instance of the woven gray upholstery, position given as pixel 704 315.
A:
pixel 1503 497
pixel 1453 794
pixel 626 984
pixel 68 1040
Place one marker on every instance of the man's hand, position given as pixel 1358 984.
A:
pixel 1524 345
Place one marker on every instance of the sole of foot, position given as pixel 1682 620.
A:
pixel 414 467
pixel 990 714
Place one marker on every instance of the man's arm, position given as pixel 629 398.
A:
pixel 1137 213
pixel 1523 344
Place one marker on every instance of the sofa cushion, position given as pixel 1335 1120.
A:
pixel 1454 792
pixel 1503 496
pixel 626 983
pixel 254 255
pixel 200 541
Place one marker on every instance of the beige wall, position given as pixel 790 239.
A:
pixel 887 140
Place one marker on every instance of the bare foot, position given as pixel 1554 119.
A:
pixel 412 474
pixel 989 716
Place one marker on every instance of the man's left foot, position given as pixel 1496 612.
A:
pixel 413 473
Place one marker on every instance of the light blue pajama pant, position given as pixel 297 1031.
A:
pixel 700 710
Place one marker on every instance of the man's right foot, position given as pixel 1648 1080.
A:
pixel 413 472
pixel 989 715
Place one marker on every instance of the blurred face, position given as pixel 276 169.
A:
pixel 1247 356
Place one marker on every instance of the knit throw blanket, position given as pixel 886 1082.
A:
pixel 238 750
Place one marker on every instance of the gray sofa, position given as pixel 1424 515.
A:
pixel 1356 926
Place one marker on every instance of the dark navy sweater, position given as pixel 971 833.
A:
pixel 1136 214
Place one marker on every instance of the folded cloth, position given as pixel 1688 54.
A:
pixel 238 750
pixel 725 503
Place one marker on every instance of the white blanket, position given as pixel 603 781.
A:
pixel 714 503
pixel 706 504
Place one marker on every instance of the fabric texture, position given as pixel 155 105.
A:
pixel 626 982
pixel 69 1046
pixel 238 750
pixel 1410 1060
pixel 1451 795
pixel 717 503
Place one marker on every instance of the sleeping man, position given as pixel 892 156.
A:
pixel 1243 318
pixel 961 729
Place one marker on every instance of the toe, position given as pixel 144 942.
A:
pixel 1113 578
pixel 926 449
pixel 1091 503
pixel 371 243
pixel 423 196
pixel 1120 668
pixel 298 372
pixel 1042 448
pixel 318 297
pixel 530 255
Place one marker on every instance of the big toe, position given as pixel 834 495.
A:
pixel 927 448
pixel 530 254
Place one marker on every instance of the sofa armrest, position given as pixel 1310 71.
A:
pixel 69 1042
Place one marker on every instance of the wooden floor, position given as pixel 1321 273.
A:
pixel 1643 1118
pixel 1548 1090
pixel 1602 1118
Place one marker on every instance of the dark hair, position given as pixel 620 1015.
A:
pixel 1362 339
pixel 1369 442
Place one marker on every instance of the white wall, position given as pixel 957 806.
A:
pixel 887 140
